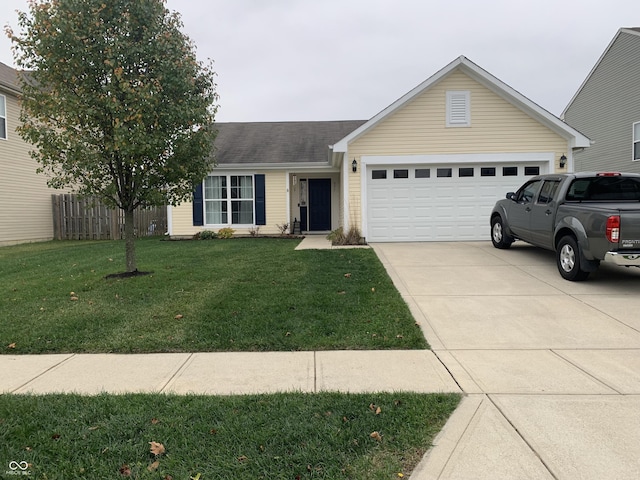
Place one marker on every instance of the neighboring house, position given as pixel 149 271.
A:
pixel 428 167
pixel 26 213
pixel 606 108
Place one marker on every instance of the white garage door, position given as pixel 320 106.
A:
pixel 437 202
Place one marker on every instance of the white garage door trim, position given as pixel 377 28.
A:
pixel 545 160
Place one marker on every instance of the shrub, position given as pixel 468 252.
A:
pixel 226 232
pixel 254 231
pixel 284 228
pixel 205 235
pixel 352 237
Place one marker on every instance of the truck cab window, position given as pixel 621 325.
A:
pixel 528 191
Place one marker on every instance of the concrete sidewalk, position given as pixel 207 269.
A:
pixel 227 373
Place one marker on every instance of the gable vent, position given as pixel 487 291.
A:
pixel 458 110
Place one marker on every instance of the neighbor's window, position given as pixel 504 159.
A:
pixel 532 170
pixel 458 108
pixel 379 174
pixel 488 172
pixel 509 171
pixel 3 117
pixel 465 172
pixel 228 199
pixel 423 173
pixel 636 141
pixel 444 172
pixel 401 174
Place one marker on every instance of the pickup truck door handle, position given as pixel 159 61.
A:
pixel 528 209
pixel 548 212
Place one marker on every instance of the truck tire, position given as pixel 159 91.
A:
pixel 498 236
pixel 569 260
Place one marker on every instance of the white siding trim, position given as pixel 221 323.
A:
pixel 546 157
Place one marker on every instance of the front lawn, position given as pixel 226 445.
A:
pixel 280 436
pixel 220 295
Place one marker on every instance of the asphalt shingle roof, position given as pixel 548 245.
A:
pixel 279 142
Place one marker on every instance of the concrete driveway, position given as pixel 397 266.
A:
pixel 551 368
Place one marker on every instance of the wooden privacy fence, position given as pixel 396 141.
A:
pixel 86 218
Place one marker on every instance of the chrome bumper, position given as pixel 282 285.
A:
pixel 625 259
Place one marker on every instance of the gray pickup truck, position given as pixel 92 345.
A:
pixel 585 218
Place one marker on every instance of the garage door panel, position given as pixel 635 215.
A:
pixel 434 208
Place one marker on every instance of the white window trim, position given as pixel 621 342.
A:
pixel 636 140
pixel 228 200
pixel 3 115
pixel 457 101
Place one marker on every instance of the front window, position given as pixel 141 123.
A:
pixel 229 200
pixel 636 141
pixel 3 117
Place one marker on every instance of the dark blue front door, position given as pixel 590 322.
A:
pixel 319 204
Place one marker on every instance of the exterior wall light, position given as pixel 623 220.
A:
pixel 354 166
pixel 563 161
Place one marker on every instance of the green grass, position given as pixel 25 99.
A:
pixel 280 436
pixel 229 295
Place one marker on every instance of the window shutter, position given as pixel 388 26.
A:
pixel 198 210
pixel 458 109
pixel 261 213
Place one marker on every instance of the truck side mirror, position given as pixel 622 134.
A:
pixel 511 196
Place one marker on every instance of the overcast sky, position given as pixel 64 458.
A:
pixel 349 59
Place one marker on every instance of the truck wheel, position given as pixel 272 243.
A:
pixel 569 261
pixel 498 237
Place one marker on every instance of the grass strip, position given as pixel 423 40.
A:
pixel 279 436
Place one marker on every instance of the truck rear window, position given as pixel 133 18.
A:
pixel 604 189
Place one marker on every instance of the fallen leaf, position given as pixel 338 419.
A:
pixel 242 458
pixel 74 299
pixel 157 448
pixel 73 294
pixel 169 477
pixel 372 407
pixel 376 436
pixel 347 275
pixel 125 471
pixel 378 411
pixel 288 334
pixel 179 316
pixel 154 466
pixel 155 421
pixel 342 292
pixel 12 345
pixel 400 475
pixel 373 289
pixel 399 336
pixel 94 428
pixel 56 436
pixel 213 431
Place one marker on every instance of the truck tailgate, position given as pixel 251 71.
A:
pixel 629 227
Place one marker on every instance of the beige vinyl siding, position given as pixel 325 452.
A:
pixel 419 128
pixel 276 207
pixel 607 106
pixel 25 200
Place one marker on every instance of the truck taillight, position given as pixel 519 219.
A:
pixel 613 228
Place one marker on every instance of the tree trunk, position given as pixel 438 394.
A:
pixel 129 241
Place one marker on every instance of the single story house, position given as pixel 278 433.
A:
pixel 26 214
pixel 606 108
pixel 429 167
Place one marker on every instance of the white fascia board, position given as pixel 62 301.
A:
pixel 342 145
pixel 276 166
pixel 523 103
pixel 606 51
pixel 462 158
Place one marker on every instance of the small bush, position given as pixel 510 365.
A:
pixel 284 228
pixel 352 237
pixel 226 232
pixel 254 231
pixel 205 235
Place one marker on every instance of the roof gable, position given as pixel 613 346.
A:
pixel 489 81
pixel 635 34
